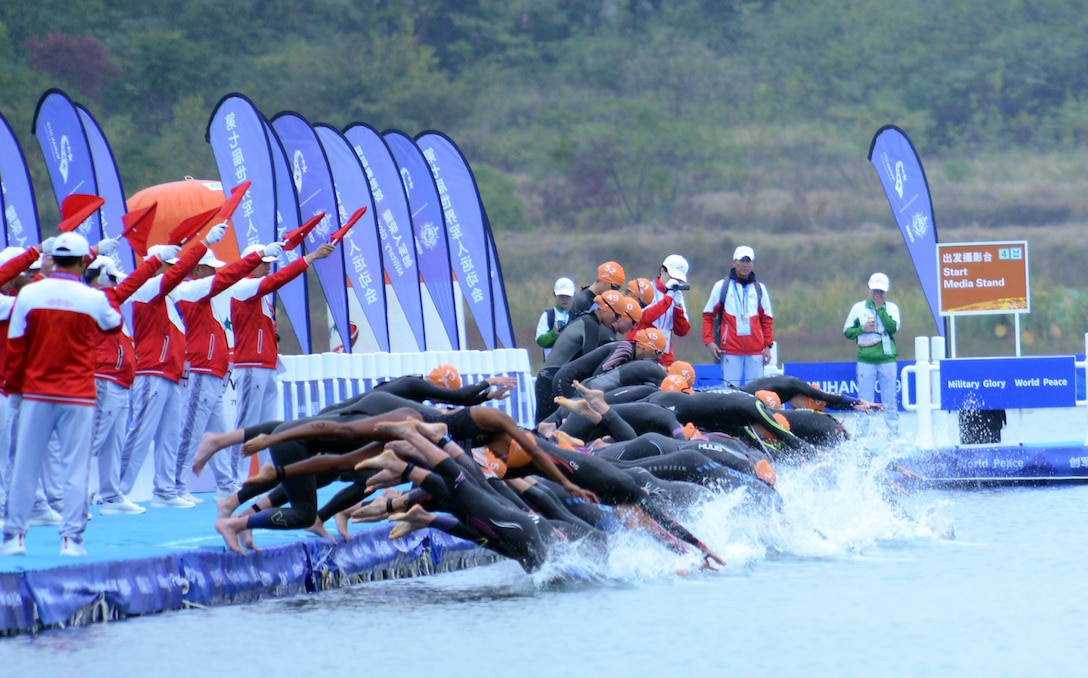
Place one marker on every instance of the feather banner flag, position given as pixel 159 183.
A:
pixel 394 224
pixel 362 245
pixel 20 209
pixel 896 162
pixel 428 225
pixel 67 153
pixel 316 193
pixel 467 230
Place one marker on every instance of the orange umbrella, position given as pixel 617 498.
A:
pixel 180 200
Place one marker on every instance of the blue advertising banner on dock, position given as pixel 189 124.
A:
pixel 1008 383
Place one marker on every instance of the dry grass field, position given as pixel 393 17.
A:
pixel 819 236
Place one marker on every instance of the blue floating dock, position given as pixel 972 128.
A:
pixel 997 465
pixel 171 559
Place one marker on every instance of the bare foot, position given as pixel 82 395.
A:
pixel 342 519
pixel 432 432
pixel 578 406
pixel 266 475
pixel 594 397
pixel 373 511
pixel 227 505
pixel 246 539
pixel 207 448
pixel 318 528
pixel 254 445
pixel 569 439
pixel 416 518
pixel 397 429
pixel 384 478
pixel 406 450
pixel 386 460
pixel 547 428
pixel 229 532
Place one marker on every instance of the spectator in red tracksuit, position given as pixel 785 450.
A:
pixel 207 353
pixel 666 312
pixel 50 364
pixel 159 338
pixel 14 262
pixel 114 374
pixel 256 348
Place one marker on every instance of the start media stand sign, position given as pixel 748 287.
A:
pixel 983 278
pixel 1008 383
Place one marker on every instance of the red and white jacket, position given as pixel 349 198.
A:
pixel 251 314
pixel 158 332
pixel 206 347
pixel 666 315
pixel 115 352
pixel 51 339
pixel 9 272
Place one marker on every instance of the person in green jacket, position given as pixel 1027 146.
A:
pixel 554 319
pixel 872 323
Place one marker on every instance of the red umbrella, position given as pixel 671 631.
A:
pixel 181 200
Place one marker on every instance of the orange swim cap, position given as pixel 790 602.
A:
pixel 611 273
pixel 782 421
pixel 685 370
pixel 446 376
pixel 674 383
pixel 641 289
pixel 808 403
pixel 766 472
pixel 652 339
pixel 770 399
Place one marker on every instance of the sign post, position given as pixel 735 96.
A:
pixel 983 278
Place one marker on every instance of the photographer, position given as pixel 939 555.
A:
pixel 666 312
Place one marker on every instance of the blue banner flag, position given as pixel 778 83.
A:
pixel 316 193
pixel 900 171
pixel 67 154
pixel 20 209
pixel 111 190
pixel 432 247
pixel 362 246
pixel 1008 383
pixel 237 136
pixel 466 230
pixel 394 223
pixel 295 295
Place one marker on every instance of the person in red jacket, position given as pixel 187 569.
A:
pixel 50 363
pixel 114 374
pixel 256 347
pixel 159 338
pixel 738 323
pixel 207 353
pixel 666 312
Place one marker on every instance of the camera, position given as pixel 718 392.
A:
pixel 682 286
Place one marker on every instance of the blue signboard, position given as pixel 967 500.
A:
pixel 1008 383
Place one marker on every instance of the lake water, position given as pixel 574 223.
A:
pixel 941 583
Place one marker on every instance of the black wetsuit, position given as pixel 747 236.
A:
pixel 786 387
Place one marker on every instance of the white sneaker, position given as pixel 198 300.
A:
pixel 191 499
pixel 46 517
pixel 173 502
pixel 123 506
pixel 15 546
pixel 70 547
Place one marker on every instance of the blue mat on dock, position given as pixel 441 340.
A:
pixel 170 559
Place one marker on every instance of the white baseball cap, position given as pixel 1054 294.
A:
pixel 879 281
pixel 71 244
pixel 209 259
pixel 744 251
pixel 677 266
pixel 257 248
pixel 564 287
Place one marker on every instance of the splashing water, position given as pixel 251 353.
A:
pixel 839 506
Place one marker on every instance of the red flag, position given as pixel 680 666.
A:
pixel 294 238
pixel 76 209
pixel 138 227
pixel 233 201
pixel 183 232
pixel 343 230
